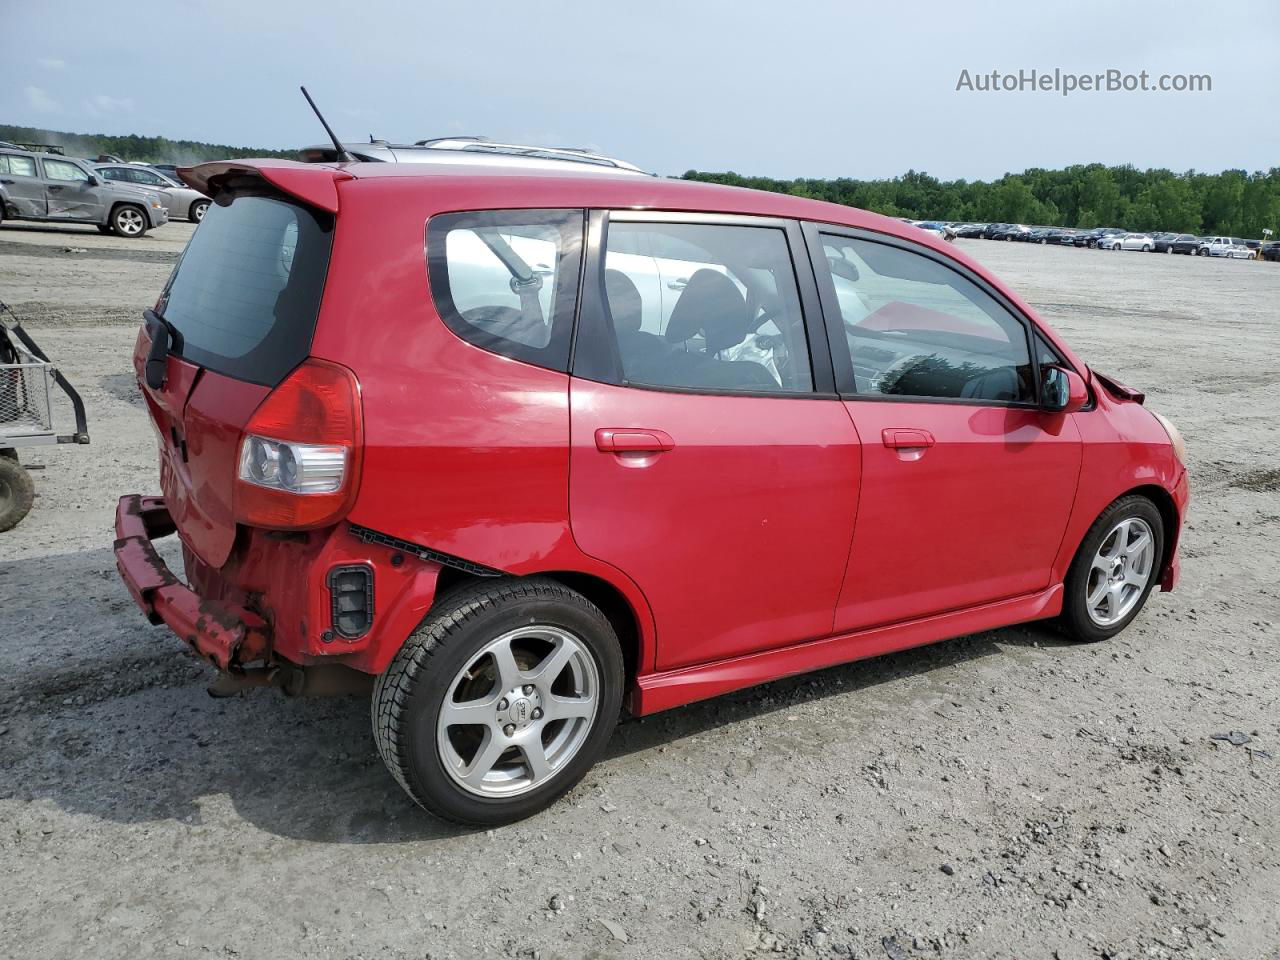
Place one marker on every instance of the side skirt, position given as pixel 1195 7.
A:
pixel 674 688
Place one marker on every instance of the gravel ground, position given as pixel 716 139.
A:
pixel 1003 795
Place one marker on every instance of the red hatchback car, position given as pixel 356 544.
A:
pixel 527 445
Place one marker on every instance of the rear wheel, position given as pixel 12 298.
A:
pixel 1114 570
pixel 17 491
pixel 197 211
pixel 128 221
pixel 500 701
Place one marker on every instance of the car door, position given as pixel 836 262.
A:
pixel 22 185
pixel 170 196
pixel 966 484
pixel 68 192
pixel 712 463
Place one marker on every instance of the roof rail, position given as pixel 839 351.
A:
pixel 485 145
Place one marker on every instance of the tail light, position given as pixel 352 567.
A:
pixel 299 463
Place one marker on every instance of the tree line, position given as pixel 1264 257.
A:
pixel 134 147
pixel 1233 202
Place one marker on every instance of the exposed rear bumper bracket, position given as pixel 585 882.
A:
pixel 365 535
pixel 225 635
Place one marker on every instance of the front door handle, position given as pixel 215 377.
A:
pixel 906 438
pixel 633 440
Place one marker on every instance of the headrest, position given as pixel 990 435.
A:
pixel 625 305
pixel 713 304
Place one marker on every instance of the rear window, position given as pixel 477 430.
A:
pixel 246 292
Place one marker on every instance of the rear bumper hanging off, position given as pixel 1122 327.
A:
pixel 225 635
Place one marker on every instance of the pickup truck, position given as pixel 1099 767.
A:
pixel 1225 247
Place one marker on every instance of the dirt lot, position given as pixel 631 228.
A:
pixel 1002 795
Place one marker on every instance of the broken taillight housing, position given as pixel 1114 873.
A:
pixel 299 463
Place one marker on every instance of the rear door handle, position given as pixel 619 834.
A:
pixel 906 438
pixel 633 440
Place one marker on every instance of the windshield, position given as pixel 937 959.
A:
pixel 246 293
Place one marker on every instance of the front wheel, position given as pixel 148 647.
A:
pixel 17 491
pixel 128 221
pixel 197 211
pixel 1146 248
pixel 500 701
pixel 1114 570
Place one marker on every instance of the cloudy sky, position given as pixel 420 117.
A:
pixel 782 88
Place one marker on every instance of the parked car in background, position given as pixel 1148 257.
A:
pixel 497 510
pixel 1176 243
pixel 1038 235
pixel 1186 243
pixel 1228 247
pixel 1010 231
pixel 970 231
pixel 170 170
pixel 1127 241
pixel 1270 250
pixel 40 186
pixel 939 230
pixel 179 199
pixel 1104 238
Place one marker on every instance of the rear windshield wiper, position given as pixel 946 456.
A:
pixel 165 339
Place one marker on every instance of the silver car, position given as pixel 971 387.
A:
pixel 179 199
pixel 56 189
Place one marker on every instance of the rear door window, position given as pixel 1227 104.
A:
pixel 507 281
pixel 246 293
pixel 711 307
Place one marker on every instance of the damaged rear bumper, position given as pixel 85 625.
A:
pixel 223 634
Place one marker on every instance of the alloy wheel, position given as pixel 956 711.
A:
pixel 129 221
pixel 1120 571
pixel 519 711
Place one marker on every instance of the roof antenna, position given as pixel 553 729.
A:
pixel 343 156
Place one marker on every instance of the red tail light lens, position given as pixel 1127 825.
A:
pixel 299 464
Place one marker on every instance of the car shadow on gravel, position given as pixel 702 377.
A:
pixel 132 737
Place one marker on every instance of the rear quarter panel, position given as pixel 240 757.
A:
pixel 466 452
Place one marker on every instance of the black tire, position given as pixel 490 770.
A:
pixel 17 491
pixel 197 210
pixel 1075 619
pixel 408 696
pixel 122 221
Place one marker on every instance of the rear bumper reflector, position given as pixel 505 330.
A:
pixel 224 634
pixel 351 600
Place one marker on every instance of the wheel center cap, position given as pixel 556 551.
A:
pixel 519 709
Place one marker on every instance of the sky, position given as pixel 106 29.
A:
pixel 782 88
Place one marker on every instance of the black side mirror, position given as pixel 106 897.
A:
pixel 92 181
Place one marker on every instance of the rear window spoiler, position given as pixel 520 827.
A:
pixel 312 183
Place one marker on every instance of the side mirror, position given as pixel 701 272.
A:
pixel 1062 390
pixel 92 181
